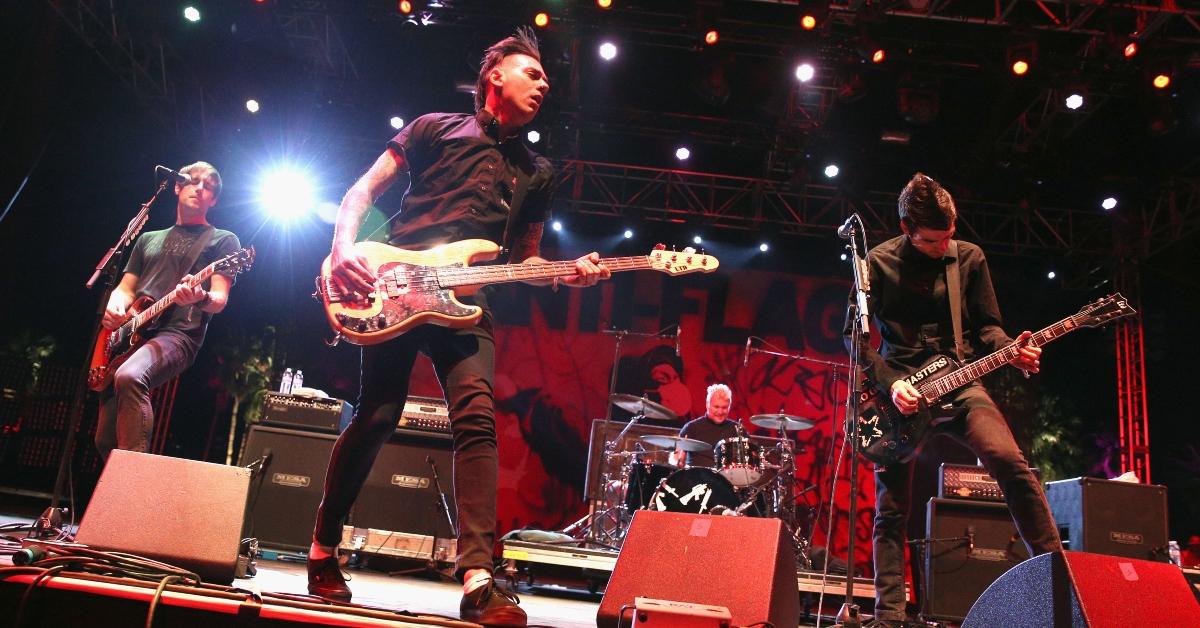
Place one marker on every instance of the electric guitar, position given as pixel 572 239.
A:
pixel 415 288
pixel 886 436
pixel 115 346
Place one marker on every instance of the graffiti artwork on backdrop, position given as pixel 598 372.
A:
pixel 554 365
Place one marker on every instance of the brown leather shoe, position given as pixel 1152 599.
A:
pixel 325 580
pixel 493 605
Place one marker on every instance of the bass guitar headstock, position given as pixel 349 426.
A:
pixel 681 262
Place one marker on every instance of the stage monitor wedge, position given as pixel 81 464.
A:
pixel 184 513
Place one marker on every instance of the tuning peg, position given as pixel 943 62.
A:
pixel 689 250
pixel 660 247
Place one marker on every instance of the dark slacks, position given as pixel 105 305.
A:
pixel 980 426
pixel 464 360
pixel 126 417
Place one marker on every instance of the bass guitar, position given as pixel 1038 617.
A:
pixel 415 288
pixel 115 346
pixel 886 436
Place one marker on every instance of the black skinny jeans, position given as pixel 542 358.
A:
pixel 465 363
pixel 980 426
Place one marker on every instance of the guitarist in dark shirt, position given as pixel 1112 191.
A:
pixel 159 263
pixel 911 313
pixel 470 176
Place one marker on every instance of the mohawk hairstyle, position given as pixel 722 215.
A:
pixel 522 42
pixel 925 203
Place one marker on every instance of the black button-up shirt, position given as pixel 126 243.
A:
pixel 463 179
pixel 911 313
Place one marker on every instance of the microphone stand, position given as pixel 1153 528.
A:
pixel 108 268
pixel 602 481
pixel 440 504
pixel 848 615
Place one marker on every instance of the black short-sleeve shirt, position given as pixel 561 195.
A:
pixel 711 432
pixel 462 181
pixel 158 259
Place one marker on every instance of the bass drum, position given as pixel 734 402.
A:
pixel 697 490
pixel 643 479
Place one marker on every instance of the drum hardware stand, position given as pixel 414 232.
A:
pixel 594 517
pixel 848 615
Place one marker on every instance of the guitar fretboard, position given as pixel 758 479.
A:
pixel 973 371
pixel 450 277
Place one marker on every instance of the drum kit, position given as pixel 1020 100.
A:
pixel 746 479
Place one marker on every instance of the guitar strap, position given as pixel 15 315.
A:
pixel 954 295
pixel 514 209
pixel 193 253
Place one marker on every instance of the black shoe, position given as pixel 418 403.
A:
pixel 325 580
pixel 492 605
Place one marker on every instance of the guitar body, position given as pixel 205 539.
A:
pixel 885 435
pixel 113 347
pixel 407 293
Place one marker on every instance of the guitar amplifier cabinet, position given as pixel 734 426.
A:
pixel 1114 518
pixel 977 543
pixel 322 414
pixel 966 481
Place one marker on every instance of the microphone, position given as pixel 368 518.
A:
pixel 678 336
pixel 746 356
pixel 429 460
pixel 847 229
pixel 163 172
pixel 970 539
pixel 28 555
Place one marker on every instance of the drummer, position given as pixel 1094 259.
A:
pixel 711 428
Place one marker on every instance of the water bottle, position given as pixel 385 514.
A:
pixel 298 381
pixel 285 384
pixel 1173 553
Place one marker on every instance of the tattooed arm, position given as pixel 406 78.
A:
pixel 588 269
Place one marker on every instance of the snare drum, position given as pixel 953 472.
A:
pixel 738 460
pixel 696 490
pixel 643 479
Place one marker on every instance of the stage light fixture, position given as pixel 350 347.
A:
pixel 1161 80
pixel 252 106
pixel 1130 50
pixel 534 137
pixel 697 240
pixel 844 257
pixel 831 171
pixel 286 194
pixel 805 72
pixel 191 14
pixel 1021 56
pixel 1109 203
pixel 711 37
pixel 808 22
pixel 1020 67
pixel 541 20
pixel 628 234
pixel 604 4
pixel 608 51
pixel 397 122
pixel 763 247
pixel 1074 101
pixel 682 153
pixel 405 7
pixel 557 226
pixel 1051 275
pixel 878 56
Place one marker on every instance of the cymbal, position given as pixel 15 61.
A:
pixel 675 442
pixel 642 406
pixel 781 421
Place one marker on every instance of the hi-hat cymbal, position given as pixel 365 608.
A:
pixel 675 442
pixel 781 421
pixel 642 406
